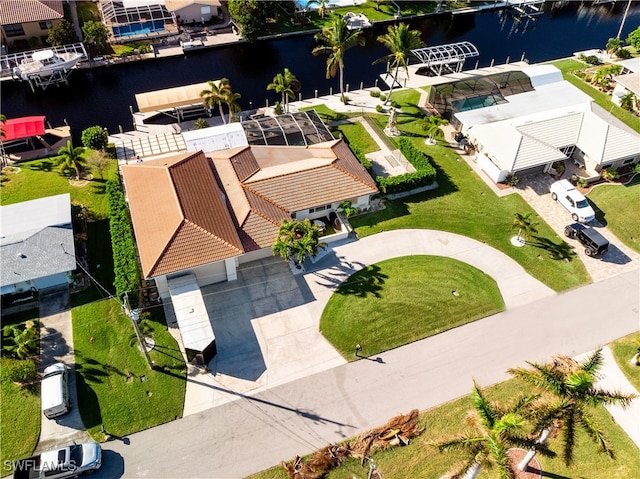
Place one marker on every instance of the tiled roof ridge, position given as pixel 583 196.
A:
pixel 262 197
pixel 208 233
pixel 48 12
pixel 339 143
pixel 159 257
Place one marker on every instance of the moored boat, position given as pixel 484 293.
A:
pixel 45 63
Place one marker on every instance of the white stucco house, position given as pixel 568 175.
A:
pixel 554 122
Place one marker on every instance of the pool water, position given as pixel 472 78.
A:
pixel 138 28
pixel 466 104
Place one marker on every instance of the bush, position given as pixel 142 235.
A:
pixel 95 137
pixel 20 371
pixel 622 53
pixel 581 182
pixel 383 97
pixel 512 180
pixel 592 60
pixel 374 93
pixel 424 175
pixel 200 123
pixel 636 168
pixel 361 158
pixel 344 100
pixel 610 174
pixel 379 108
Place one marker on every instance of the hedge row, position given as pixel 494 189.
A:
pixel 424 175
pixel 125 257
pixel 362 159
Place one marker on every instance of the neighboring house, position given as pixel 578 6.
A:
pixel 193 11
pixel 555 121
pixel 26 23
pixel 130 20
pixel 628 82
pixel 36 245
pixel 206 214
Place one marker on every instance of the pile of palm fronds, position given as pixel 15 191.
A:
pixel 397 432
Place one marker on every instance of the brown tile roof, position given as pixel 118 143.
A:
pixel 25 11
pixel 179 215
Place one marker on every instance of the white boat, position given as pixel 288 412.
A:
pixel 45 63
pixel 357 21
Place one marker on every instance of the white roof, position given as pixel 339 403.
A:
pixel 545 101
pixel 191 312
pixel 632 64
pixel 216 138
pixel 542 74
pixel 20 220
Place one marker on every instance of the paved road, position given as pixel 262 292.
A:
pixel 256 432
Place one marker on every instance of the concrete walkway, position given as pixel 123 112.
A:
pixel 274 338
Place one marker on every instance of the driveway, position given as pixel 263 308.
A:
pixel 56 345
pixel 267 322
pixel 619 259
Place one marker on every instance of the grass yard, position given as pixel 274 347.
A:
pixel 20 419
pixel 419 460
pixel 612 203
pixel 115 386
pixel 40 178
pixel 357 136
pixel 401 300
pixel 464 204
pixel 624 349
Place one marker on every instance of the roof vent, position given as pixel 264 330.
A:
pixel 21 255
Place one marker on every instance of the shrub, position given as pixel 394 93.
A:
pixel 512 180
pixel 383 97
pixel 622 53
pixel 379 108
pixel 201 123
pixel 592 60
pixel 375 93
pixel 95 137
pixel 344 100
pixel 361 158
pixel 347 209
pixel 424 175
pixel 20 371
pixel 581 182
pixel 610 174
pixel 636 168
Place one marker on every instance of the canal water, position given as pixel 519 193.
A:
pixel 103 96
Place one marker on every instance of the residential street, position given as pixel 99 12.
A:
pixel 257 432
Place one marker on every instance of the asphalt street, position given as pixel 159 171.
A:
pixel 257 432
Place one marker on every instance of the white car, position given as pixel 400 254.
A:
pixel 566 194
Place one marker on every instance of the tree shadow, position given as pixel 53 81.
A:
pixel 562 251
pixel 92 370
pixel 367 281
pixel 88 403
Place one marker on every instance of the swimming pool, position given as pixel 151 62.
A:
pixel 302 4
pixel 138 28
pixel 472 103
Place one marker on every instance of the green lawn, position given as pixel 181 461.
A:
pixel 357 136
pixel 419 460
pixel 401 300
pixel 624 349
pixel 40 178
pixel 464 204
pixel 613 203
pixel 115 386
pixel 19 419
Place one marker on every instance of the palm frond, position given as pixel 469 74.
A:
pixel 595 432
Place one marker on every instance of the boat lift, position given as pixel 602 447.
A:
pixel 38 81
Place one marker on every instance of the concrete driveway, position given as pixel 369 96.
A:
pixel 56 345
pixel 267 322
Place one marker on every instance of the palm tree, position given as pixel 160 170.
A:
pixel 569 392
pixel 71 157
pixel 230 99
pixel 628 101
pixel 323 5
pixel 287 85
pixel 213 95
pixel 525 225
pixel 297 240
pixel 400 41
pixel 494 429
pixel 431 126
pixel 335 41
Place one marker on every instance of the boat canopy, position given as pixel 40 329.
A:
pixel 42 55
pixel 25 127
pixel 169 98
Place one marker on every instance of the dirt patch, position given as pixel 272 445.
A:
pixel 83 181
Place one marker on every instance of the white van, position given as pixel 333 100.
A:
pixel 54 391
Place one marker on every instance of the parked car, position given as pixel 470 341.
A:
pixel 566 194
pixel 54 391
pixel 594 243
pixel 61 463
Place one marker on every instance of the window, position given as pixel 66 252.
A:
pixel 46 25
pixel 319 208
pixel 14 30
pixel 628 161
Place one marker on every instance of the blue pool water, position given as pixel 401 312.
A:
pixel 138 28
pixel 302 4
pixel 472 103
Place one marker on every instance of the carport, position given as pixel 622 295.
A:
pixel 193 320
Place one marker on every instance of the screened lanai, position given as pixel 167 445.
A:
pixel 444 58
pixel 291 129
pixel 131 19
pixel 477 92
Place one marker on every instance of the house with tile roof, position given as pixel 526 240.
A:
pixel 205 214
pixel 23 20
pixel 555 121
pixel 36 247
pixel 193 11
